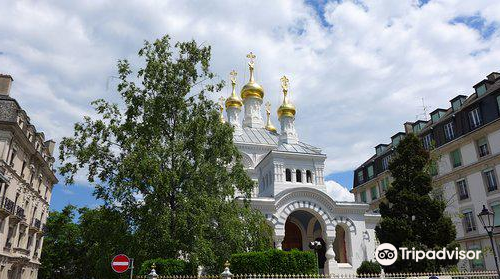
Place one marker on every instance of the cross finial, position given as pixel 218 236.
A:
pixel 268 107
pixel 221 102
pixel 233 75
pixel 284 83
pixel 251 56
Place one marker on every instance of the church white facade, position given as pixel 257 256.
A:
pixel 291 190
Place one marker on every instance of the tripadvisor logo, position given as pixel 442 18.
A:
pixel 386 254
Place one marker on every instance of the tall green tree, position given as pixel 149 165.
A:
pixel 61 246
pixel 411 217
pixel 164 159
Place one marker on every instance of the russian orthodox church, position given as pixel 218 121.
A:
pixel 290 188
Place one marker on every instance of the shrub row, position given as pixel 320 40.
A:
pixel 274 262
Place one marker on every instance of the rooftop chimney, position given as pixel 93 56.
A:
pixel 408 127
pixel 5 83
pixel 493 76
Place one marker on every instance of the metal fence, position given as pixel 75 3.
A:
pixel 440 275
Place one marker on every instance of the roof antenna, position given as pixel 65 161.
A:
pixel 424 114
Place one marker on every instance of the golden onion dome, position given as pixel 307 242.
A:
pixel 286 108
pixel 252 89
pixel 269 126
pixel 233 100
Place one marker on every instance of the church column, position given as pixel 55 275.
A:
pixel 278 239
pixel 331 265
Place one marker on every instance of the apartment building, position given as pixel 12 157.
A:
pixel 26 181
pixel 465 140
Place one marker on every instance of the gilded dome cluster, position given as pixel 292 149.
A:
pixel 254 90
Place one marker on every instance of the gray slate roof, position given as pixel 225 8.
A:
pixel 265 137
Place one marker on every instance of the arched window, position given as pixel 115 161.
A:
pixel 298 176
pixel 309 178
pixel 288 175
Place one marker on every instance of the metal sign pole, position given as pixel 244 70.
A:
pixel 131 268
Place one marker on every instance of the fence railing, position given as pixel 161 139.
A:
pixel 440 275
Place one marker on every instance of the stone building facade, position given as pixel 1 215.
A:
pixel 26 181
pixel 465 141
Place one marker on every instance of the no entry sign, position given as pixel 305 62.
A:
pixel 120 263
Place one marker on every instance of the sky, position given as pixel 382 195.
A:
pixel 358 69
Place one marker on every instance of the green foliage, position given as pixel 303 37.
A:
pixel 164 159
pixel 168 267
pixel 411 217
pixel 369 267
pixel 84 249
pixel 274 262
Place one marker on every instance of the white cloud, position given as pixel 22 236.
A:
pixel 337 191
pixel 354 82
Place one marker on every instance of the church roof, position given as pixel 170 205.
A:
pixel 261 136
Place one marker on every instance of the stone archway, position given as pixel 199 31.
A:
pixel 293 237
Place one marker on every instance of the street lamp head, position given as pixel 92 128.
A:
pixel 487 219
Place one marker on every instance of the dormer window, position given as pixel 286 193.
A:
pixel 308 176
pixel 481 90
pixel 360 176
pixel 437 114
pixel 298 176
pixel 370 172
pixel 397 138
pixel 288 175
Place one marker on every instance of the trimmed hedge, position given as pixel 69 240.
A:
pixel 369 267
pixel 274 262
pixel 168 267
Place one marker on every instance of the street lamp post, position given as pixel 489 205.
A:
pixel 487 219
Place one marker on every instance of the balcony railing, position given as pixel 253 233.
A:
pixel 8 205
pixel 37 223
pixel 20 212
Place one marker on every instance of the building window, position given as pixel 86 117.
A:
pixel 475 118
pixel 490 180
pixel 23 167
pixel 463 192
pixel 363 196
pixel 385 162
pixel 476 264
pixel 456 104
pixel 360 176
pixel 495 207
pixel 427 141
pixel 298 176
pixel 384 184
pixel 309 176
pixel 288 175
pixel 481 90
pixel 12 157
pixel 433 168
pixel 370 172
pixel 498 103
pixel 482 146
pixel 373 191
pixel 456 158
pixel 469 221
pixel 448 131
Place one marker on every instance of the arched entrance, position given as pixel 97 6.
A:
pixel 302 227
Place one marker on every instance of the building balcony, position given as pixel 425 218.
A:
pixel 6 207
pixel 22 251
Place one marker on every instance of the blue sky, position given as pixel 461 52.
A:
pixel 358 69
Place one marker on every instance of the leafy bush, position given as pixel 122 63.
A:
pixel 274 262
pixel 168 267
pixel 369 267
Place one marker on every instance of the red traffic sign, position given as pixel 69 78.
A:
pixel 120 263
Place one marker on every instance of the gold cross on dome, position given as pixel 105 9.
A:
pixel 268 107
pixel 251 56
pixel 233 75
pixel 284 83
pixel 221 102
